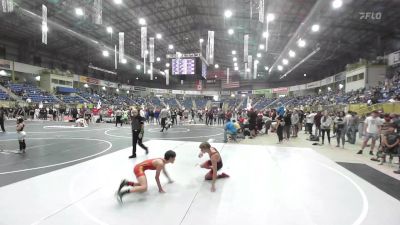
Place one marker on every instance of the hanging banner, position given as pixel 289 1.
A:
pixel 115 57
pixel 121 47
pixel 246 47
pixel 249 66
pixel 255 69
pixel 245 71
pixel 44 24
pixel 151 49
pixel 143 41
pixel 210 48
pixel 151 71
pixel 227 75
pixel 8 5
pixel 261 11
pixel 166 76
pixel 98 11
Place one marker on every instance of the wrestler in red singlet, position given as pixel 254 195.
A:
pixel 145 165
pixel 157 164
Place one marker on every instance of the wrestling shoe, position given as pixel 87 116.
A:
pixel 360 152
pixel 132 156
pixel 147 150
pixel 119 195
pixel 122 184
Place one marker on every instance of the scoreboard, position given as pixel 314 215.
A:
pixel 183 66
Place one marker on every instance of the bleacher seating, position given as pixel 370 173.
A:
pixel 33 93
pixel 201 103
pixel 4 95
pixel 71 99
pixel 171 102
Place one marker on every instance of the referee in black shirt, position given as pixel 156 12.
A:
pixel 137 132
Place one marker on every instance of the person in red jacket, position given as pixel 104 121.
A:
pixel 157 164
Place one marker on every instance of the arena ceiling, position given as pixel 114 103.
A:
pixel 344 35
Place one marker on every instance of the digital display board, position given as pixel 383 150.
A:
pixel 183 66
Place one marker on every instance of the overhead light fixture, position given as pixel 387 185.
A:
pixel 234 59
pixel 280 68
pixel 158 36
pixel 138 67
pixel 228 13
pixel 230 31
pixel 265 34
pixel 301 43
pixel 340 86
pixel 155 78
pixel 106 53
pixel 216 66
pixel 3 73
pixel 137 78
pixel 104 88
pixel 86 85
pixel 158 59
pixel 256 61
pixel 337 4
pixel 292 54
pixel 118 2
pixel 258 55
pixel 127 92
pixel 315 28
pixel 285 61
pixel 149 71
pixel 270 17
pixel 167 65
pixel 109 30
pixel 236 68
pixel 266 68
pixel 178 54
pixel 146 52
pixel 170 47
pixel 248 70
pixel 232 95
pixel 243 95
pixel 201 40
pixel 123 61
pixel 233 52
pixel 319 90
pixel 117 90
pixel 305 74
pixel 142 21
pixel 235 64
pixel 262 47
pixel 79 11
pixel 37 78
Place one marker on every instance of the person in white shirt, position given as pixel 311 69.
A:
pixel 310 122
pixel 372 129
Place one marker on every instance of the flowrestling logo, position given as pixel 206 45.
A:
pixel 370 15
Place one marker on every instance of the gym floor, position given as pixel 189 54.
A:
pixel 55 145
pixel 80 169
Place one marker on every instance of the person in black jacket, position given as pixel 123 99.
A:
pixel 2 118
pixel 137 132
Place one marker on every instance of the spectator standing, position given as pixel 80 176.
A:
pixel 340 127
pixel 2 118
pixel 326 123
pixel 372 127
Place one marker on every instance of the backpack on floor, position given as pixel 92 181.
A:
pixel 314 138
